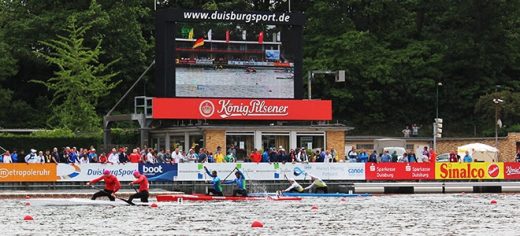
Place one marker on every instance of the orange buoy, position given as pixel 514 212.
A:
pixel 257 224
pixel 493 201
pixel 153 205
pixel 27 217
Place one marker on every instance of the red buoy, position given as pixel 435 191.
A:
pixel 153 205
pixel 493 201
pixel 27 217
pixel 27 203
pixel 314 207
pixel 343 200
pixel 257 224
pixel 27 196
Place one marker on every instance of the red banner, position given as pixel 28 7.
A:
pixel 511 170
pixel 241 109
pixel 400 171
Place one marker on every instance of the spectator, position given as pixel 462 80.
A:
pixel 191 156
pixel 302 156
pixel 64 158
pixel 150 156
pixel 453 157
pixel 328 157
pixel 40 157
pixel 386 157
pixel 406 132
pixel 92 156
pixel 177 156
pixel 415 130
pixel 373 157
pixel 229 158
pixel 282 156
pixel 404 158
pixel 412 157
pixel 14 156
pixel 210 158
pixel 113 157
pixel 103 158
pixel 467 158
pixel 160 157
pixel 31 157
pixel 123 157
pixel 49 158
pixel 363 157
pixel 317 157
pixel 352 155
pixel 334 155
pixel 134 157
pixel 292 155
pixel 218 157
pixel 426 153
pixel 394 156
pixel 56 155
pixel 273 155
pixel 7 157
pixel 433 155
pixel 517 156
pixel 232 150
pixel 73 156
pixel 167 156
pixel 84 158
pixel 203 156
pixel 255 156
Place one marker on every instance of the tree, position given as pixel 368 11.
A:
pixel 79 81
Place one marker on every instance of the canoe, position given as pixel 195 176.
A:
pixel 292 194
pixel 79 202
pixel 202 197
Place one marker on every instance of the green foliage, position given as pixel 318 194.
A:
pixel 80 81
pixel 55 133
pixel 24 143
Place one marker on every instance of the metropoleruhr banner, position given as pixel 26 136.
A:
pixel 87 172
pixel 400 171
pixel 273 171
pixel 473 170
pixel 23 172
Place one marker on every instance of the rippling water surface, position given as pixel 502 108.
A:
pixel 421 214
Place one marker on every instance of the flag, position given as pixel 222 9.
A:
pixel 198 43
pixel 190 34
pixel 244 35
pixel 209 34
pixel 261 37
pixel 227 36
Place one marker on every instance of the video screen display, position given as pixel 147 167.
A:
pixel 223 59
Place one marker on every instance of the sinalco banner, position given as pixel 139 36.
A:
pixel 474 170
pixel 159 172
pixel 273 171
pixel 87 172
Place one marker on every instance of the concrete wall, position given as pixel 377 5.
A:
pixel 506 145
pixel 215 138
pixel 336 140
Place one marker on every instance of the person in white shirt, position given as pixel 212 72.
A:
pixel 33 157
pixel 328 157
pixel 84 160
pixel 177 156
pixel 113 157
pixel 295 187
pixel 7 157
pixel 150 158
pixel 191 156
pixel 302 156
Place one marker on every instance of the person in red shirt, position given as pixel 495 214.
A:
pixel 134 157
pixel 112 185
pixel 143 187
pixel 255 156
pixel 433 155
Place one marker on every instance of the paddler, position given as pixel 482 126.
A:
pixel 294 188
pixel 240 182
pixel 217 185
pixel 112 185
pixel 143 187
pixel 318 184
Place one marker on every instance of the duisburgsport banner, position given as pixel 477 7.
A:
pixel 87 172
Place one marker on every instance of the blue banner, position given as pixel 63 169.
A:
pixel 159 172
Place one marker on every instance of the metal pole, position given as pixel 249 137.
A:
pixel 309 84
pixel 434 137
pixel 155 5
pixel 496 125
pixel 437 102
pixel 289 5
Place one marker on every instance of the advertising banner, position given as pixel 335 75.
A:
pixel 512 170
pixel 22 172
pixel 274 171
pixel 87 172
pixel 159 172
pixel 400 171
pixel 241 109
pixel 474 170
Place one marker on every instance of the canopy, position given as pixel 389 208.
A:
pixel 479 152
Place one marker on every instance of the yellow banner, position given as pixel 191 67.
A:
pixel 474 170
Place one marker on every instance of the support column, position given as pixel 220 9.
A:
pixel 167 144
pixel 107 138
pixel 292 140
pixel 258 140
pixel 186 142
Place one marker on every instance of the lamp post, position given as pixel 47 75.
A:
pixel 497 102
pixel 436 115
pixel 437 100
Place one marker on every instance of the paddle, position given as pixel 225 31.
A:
pixel 122 199
pixel 229 174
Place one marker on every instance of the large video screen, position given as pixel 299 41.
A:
pixel 232 60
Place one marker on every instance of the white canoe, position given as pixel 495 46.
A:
pixel 79 202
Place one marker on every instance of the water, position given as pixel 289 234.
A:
pixel 428 214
